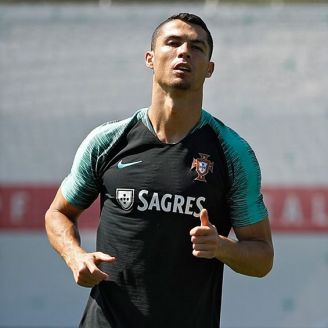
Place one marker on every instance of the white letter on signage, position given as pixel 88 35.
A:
pixel 292 211
pixel 319 213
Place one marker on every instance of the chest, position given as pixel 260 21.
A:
pixel 147 176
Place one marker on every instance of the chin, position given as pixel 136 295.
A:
pixel 181 85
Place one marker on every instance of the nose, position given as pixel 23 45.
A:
pixel 184 51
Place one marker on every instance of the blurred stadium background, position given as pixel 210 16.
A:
pixel 68 67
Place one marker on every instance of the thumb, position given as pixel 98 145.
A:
pixel 204 218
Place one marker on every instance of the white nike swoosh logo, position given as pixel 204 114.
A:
pixel 121 165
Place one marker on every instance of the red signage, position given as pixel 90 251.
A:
pixel 291 209
pixel 24 207
pixel 297 209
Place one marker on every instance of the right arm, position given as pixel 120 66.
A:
pixel 63 234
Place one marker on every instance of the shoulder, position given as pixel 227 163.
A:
pixel 244 195
pixel 233 144
pixel 240 157
pixel 107 134
pixel 83 183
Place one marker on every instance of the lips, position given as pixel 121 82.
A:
pixel 185 67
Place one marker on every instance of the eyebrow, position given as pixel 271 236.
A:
pixel 194 41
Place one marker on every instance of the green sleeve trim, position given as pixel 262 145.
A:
pixel 244 197
pixel 82 186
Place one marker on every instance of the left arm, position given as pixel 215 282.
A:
pixel 252 254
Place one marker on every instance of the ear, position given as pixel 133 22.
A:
pixel 149 57
pixel 210 69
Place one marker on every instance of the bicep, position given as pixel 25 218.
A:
pixel 259 231
pixel 255 243
pixel 62 206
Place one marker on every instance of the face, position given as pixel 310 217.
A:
pixel 180 58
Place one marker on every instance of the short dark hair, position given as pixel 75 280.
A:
pixel 187 18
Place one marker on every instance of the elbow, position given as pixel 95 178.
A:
pixel 265 267
pixel 47 218
pixel 264 271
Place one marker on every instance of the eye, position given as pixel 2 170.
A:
pixel 173 43
pixel 199 48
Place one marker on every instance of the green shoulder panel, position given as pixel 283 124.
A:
pixel 81 187
pixel 244 198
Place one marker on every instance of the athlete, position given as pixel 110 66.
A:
pixel 173 180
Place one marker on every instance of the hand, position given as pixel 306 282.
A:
pixel 85 270
pixel 204 238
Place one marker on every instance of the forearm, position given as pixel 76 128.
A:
pixel 63 234
pixel 248 257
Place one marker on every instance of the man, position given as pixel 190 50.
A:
pixel 172 180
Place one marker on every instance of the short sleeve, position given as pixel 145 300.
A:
pixel 81 186
pixel 244 198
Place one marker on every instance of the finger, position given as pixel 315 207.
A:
pixel 202 254
pixel 86 283
pixel 204 218
pixel 200 247
pixel 96 274
pixel 102 257
pixel 85 278
pixel 200 231
pixel 203 239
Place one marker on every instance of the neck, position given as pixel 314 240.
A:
pixel 173 114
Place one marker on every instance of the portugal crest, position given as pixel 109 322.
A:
pixel 125 197
pixel 202 165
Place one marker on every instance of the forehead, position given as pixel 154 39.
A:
pixel 182 29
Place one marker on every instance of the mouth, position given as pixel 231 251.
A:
pixel 182 67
